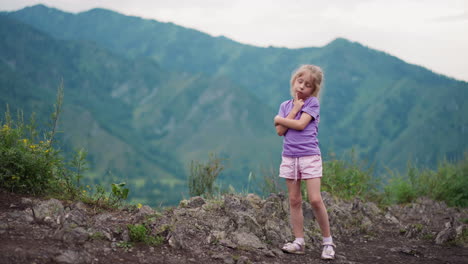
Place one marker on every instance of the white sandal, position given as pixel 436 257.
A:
pixel 328 251
pixel 294 248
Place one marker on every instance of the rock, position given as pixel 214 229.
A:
pixel 366 224
pixel 459 230
pixel 51 208
pixel 80 205
pixel 407 250
pixel 227 243
pixel 143 212
pixel 277 231
pixel 26 201
pixel 195 202
pixel 371 209
pixel 174 243
pixel 391 219
pixel 307 212
pixel 271 209
pixel 278 252
pixel 445 235
pixel 24 216
pixel 233 203
pixel 4 226
pixel 226 258
pixel 248 240
pixel 254 200
pixel 76 217
pixel 269 253
pixel 216 235
pixel 73 257
pixel 243 260
pixel 125 235
pixel 76 235
pixel 101 220
pixel 247 223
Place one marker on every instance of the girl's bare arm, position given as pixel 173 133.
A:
pixel 297 106
pixel 292 123
pixel 280 129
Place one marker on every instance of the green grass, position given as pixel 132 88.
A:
pixel 448 183
pixel 349 178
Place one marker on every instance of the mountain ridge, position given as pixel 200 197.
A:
pixel 372 101
pixel 134 98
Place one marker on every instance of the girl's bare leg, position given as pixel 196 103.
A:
pixel 295 207
pixel 315 199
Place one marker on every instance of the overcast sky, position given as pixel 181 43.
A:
pixel 431 33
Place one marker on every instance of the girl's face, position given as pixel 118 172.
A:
pixel 304 86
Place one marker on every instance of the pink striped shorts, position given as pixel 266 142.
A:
pixel 302 168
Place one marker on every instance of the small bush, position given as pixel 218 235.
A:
pixel 29 164
pixel 272 183
pixel 349 178
pixel 139 233
pixel 201 180
pixel 400 191
pixel 449 183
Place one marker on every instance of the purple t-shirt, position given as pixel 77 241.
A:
pixel 298 143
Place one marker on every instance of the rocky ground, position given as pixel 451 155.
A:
pixel 234 229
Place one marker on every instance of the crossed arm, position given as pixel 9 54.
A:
pixel 282 124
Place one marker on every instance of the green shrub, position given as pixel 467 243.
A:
pixel 449 183
pixel 139 233
pixel 272 183
pixel 400 190
pixel 349 178
pixel 29 164
pixel 201 180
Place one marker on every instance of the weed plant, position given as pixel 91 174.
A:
pixel 349 178
pixel 202 177
pixel 139 233
pixel 448 183
pixel 30 164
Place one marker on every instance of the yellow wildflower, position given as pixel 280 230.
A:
pixel 139 205
pixel 25 141
pixel 47 151
pixel 84 191
pixel 6 127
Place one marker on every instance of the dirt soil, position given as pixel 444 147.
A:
pixel 33 243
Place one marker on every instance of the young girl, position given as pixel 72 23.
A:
pixel 298 121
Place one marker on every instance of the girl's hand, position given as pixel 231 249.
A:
pixel 276 120
pixel 298 103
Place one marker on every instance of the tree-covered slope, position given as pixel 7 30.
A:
pixel 138 122
pixel 386 109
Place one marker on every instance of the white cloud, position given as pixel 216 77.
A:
pixel 430 33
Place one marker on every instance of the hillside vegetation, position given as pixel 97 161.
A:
pixel 145 98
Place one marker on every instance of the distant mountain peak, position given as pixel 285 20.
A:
pixel 339 42
pixel 41 8
pixel 99 10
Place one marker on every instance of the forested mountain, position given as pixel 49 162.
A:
pixel 138 122
pixel 179 93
